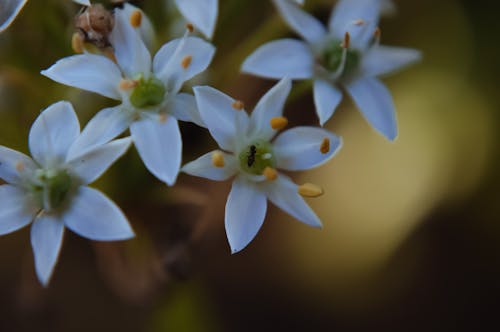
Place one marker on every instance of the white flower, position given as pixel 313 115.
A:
pixel 148 90
pixel 347 54
pixel 51 190
pixel 201 13
pixel 253 155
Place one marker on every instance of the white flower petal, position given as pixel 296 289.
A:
pixel 95 217
pixel 183 107
pixel 375 103
pixel 83 2
pixel 16 210
pixel 284 194
pixel 347 12
pixel 203 167
pixel 299 148
pixel 160 146
pixel 245 212
pixel 131 53
pixel 53 133
pixel 102 128
pixel 170 62
pixel 89 72
pixel 326 99
pixel 46 240
pixel 9 10
pixel 270 106
pixel 226 124
pixel 146 29
pixel 383 60
pixel 13 164
pixel 281 58
pixel 91 165
pixel 307 26
pixel 201 13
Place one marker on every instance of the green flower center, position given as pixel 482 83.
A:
pixel 51 187
pixel 148 93
pixel 332 58
pixel 257 157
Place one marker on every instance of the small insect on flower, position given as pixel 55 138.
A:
pixel 251 156
pixel 93 25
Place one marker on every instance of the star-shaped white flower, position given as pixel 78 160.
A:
pixel 251 152
pixel 148 90
pixel 347 54
pixel 51 190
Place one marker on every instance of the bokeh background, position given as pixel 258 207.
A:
pixel 411 238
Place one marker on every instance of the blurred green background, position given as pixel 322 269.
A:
pixel 411 237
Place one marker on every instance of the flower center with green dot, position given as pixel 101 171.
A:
pixel 147 93
pixel 257 157
pixel 50 187
pixel 333 58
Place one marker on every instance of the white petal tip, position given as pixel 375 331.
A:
pixel 235 251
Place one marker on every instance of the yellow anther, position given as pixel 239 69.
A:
pixel 325 146
pixel 359 22
pixel 20 166
pixel 190 27
pixel 310 190
pixel 347 40
pixel 279 123
pixel 270 173
pixel 218 159
pixel 238 105
pixel 186 61
pixel 136 18
pixel 77 43
pixel 128 84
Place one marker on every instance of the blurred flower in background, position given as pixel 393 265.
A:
pixel 411 236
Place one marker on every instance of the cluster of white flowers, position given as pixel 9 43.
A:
pixel 50 190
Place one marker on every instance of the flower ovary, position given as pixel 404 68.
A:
pixel 51 187
pixel 148 93
pixel 257 157
pixel 332 58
